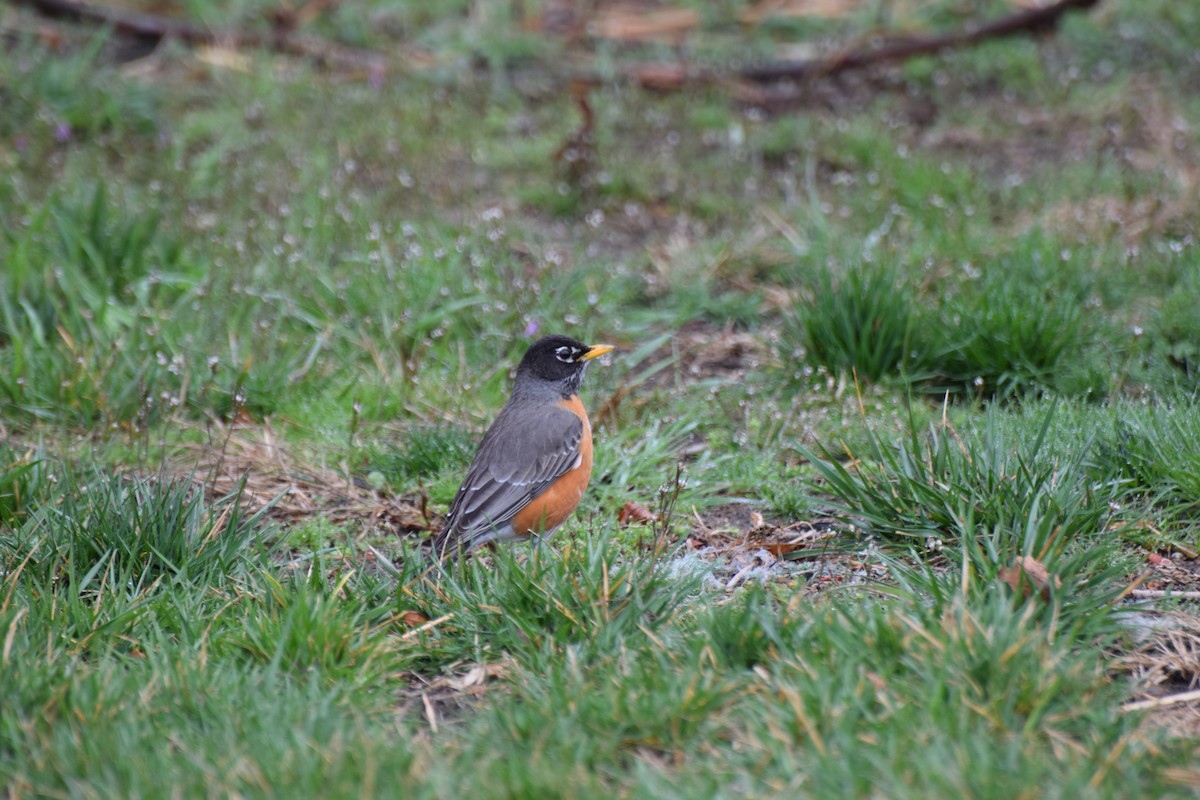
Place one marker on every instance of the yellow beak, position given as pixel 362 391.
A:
pixel 596 350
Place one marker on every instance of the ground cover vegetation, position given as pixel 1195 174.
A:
pixel 897 482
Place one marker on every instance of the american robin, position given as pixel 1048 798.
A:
pixel 534 463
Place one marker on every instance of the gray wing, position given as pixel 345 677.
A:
pixel 519 457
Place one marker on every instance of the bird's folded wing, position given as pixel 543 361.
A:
pixel 519 457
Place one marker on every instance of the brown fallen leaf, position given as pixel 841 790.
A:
pixel 780 549
pixel 413 618
pixel 1028 574
pixel 658 77
pixel 634 512
pixel 242 418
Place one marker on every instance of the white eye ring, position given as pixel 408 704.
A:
pixel 567 354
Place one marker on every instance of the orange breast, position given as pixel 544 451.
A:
pixel 548 510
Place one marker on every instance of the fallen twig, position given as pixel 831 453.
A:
pixel 128 23
pixel 1031 21
pixel 154 28
pixel 737 579
pixel 1154 594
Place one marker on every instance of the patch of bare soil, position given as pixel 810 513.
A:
pixel 1174 573
pixel 290 492
pixel 698 351
pixel 451 695
pixel 739 546
pixel 705 351
pixel 1165 660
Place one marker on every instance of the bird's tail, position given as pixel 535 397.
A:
pixel 452 543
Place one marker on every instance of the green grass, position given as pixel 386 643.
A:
pixel 937 485
pixel 946 314
pixel 25 478
pixel 863 323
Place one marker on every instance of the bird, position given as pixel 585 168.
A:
pixel 534 463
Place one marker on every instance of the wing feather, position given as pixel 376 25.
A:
pixel 517 459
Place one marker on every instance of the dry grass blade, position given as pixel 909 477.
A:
pixel 1169 654
pixel 781 540
pixel 433 623
pixel 1159 702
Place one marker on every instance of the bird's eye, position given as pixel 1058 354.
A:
pixel 566 354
